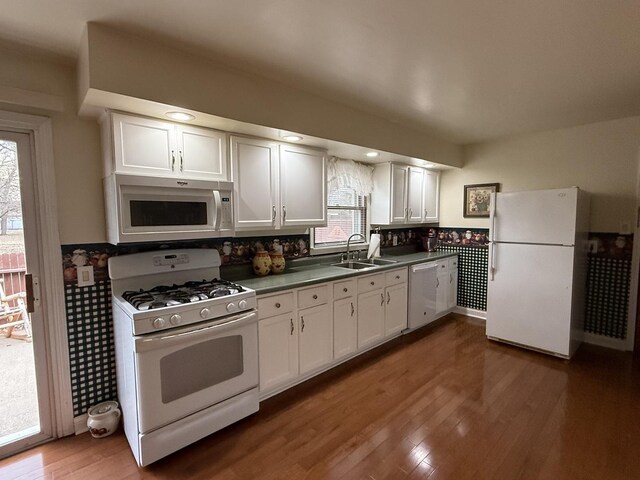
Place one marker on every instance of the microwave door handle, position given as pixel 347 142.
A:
pixel 218 203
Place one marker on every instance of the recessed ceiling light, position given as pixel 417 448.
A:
pixel 181 116
pixel 292 138
pixel 372 154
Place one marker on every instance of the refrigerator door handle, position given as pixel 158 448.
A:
pixel 492 266
pixel 492 214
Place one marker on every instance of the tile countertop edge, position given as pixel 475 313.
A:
pixel 321 273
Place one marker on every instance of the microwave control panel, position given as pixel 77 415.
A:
pixel 226 222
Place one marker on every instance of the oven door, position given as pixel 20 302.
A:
pixel 182 371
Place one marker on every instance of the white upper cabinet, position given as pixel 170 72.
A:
pixel 254 166
pixel 144 146
pixel 202 152
pixel 415 192
pixel 277 186
pixel 403 195
pixel 303 187
pixel 431 197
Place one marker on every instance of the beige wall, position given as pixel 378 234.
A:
pixel 76 142
pixel 601 158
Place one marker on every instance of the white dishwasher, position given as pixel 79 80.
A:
pixel 423 283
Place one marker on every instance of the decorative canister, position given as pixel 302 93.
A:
pixel 103 419
pixel 261 263
pixel 277 262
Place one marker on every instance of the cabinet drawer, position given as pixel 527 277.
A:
pixel 453 263
pixel 313 296
pixel 275 304
pixel 396 276
pixel 370 282
pixel 343 289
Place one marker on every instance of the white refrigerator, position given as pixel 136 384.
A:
pixel 537 269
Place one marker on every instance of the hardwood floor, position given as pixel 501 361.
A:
pixel 443 403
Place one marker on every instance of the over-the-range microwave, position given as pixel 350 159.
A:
pixel 147 209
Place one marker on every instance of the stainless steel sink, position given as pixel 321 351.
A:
pixel 361 264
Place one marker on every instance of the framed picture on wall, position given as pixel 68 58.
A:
pixel 477 197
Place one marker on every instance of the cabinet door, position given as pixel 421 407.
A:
pixel 303 191
pixel 143 145
pixel 398 193
pixel 278 348
pixel 452 294
pixel 431 196
pixel 442 291
pixel 202 153
pixel 395 314
pixel 316 337
pixel 345 327
pixel 414 195
pixel 254 173
pixel 370 317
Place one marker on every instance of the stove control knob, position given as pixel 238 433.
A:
pixel 231 307
pixel 242 304
pixel 175 319
pixel 204 313
pixel 158 323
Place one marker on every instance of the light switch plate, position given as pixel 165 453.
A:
pixel 85 276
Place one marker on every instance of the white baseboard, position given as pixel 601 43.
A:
pixel 471 312
pixel 603 341
pixel 80 424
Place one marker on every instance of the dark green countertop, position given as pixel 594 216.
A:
pixel 310 271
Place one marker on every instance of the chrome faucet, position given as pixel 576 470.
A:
pixel 349 244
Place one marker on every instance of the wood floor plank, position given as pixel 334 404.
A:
pixel 441 403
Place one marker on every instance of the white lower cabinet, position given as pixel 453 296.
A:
pixel 395 310
pixel 453 289
pixel 447 285
pixel 278 346
pixel 315 338
pixel 345 327
pixel 442 292
pixel 304 331
pixel 370 317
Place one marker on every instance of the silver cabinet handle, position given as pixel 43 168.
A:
pixel 437 282
pixel 302 320
pixel 284 213
pixel 181 161
pixel 381 299
pixel 451 278
pixel 388 298
pixel 425 213
pixel 291 333
pixel 352 309
pixel 173 160
pixel 410 213
pixel 273 213
pixel 406 213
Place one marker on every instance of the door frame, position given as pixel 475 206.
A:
pixel 52 288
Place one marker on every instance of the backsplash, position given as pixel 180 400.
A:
pixel 90 325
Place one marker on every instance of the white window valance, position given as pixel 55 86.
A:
pixel 349 174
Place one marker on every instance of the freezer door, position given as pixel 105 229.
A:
pixel 529 296
pixel 542 216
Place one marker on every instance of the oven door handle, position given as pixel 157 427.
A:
pixel 167 339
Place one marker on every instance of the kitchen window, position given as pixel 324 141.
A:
pixel 349 185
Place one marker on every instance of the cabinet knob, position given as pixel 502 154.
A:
pixel 315 297
pixel 397 277
pixel 373 283
pixel 277 305
pixel 345 290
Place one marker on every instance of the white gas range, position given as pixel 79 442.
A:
pixel 186 349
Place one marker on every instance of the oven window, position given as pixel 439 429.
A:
pixel 159 213
pixel 200 366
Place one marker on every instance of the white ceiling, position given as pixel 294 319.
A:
pixel 467 70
